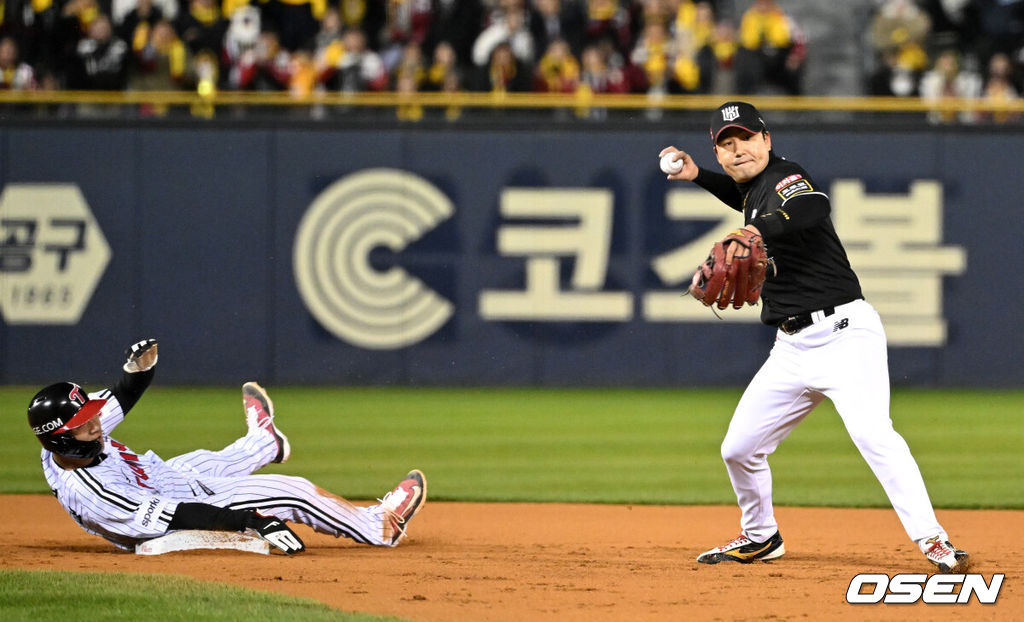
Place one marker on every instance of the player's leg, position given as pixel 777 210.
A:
pixel 263 443
pixel 855 376
pixel 242 457
pixel 774 402
pixel 296 499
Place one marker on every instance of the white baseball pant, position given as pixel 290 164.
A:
pixel 841 357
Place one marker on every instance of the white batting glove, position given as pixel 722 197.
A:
pixel 141 356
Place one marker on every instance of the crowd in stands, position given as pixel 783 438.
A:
pixel 564 46
pixel 921 48
pixel 937 49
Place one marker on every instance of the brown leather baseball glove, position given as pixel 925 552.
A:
pixel 734 271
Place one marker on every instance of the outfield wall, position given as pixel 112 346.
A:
pixel 473 257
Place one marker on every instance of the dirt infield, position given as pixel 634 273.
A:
pixel 527 562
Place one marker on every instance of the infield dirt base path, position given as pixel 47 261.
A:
pixel 527 562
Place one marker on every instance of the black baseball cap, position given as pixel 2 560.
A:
pixel 736 114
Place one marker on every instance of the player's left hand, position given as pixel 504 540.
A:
pixel 141 356
pixel 276 532
pixel 738 243
pixel 734 271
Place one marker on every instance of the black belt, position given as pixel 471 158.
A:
pixel 796 323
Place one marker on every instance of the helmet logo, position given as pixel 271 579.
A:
pixel 730 113
pixel 49 426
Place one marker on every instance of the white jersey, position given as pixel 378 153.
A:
pixel 128 498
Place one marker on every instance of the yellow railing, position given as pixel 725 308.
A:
pixel 507 100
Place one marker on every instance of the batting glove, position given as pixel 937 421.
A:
pixel 141 356
pixel 274 531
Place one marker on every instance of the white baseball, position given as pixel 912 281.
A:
pixel 670 165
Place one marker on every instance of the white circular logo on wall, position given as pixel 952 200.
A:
pixel 359 304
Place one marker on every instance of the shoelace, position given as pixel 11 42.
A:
pixel 939 549
pixel 261 413
pixel 397 520
pixel 738 540
pixel 386 504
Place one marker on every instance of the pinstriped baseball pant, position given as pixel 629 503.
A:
pixel 227 479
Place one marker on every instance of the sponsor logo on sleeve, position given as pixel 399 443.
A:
pixel 793 185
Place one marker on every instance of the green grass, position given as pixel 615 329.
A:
pixel 28 595
pixel 579 445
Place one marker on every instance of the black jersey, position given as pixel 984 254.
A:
pixel 793 215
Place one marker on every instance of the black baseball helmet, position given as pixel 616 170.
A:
pixel 56 411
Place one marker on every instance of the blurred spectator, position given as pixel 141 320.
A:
pixel 407 82
pixel 65 25
pixel 557 19
pixel 715 47
pixel 947 80
pixel 442 66
pixel 295 21
pixel 445 75
pixel 598 75
pixel 407 21
pixel 952 21
pixel 503 72
pixel 890 78
pixel 14 74
pixel 458 22
pixel 508 27
pixel 366 15
pixel 302 74
pixel 133 27
pixel 358 68
pixel 725 45
pixel 410 68
pixel 654 53
pixel 1000 26
pixel 101 59
pixel 328 48
pixel 610 21
pixel 202 27
pixel 999 86
pixel 126 14
pixel 558 71
pixel 161 64
pixel 697 18
pixel 161 59
pixel 239 49
pixel 899 34
pixel 662 12
pixel 267 66
pixel 772 50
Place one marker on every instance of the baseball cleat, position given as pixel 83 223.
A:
pixel 947 557
pixel 402 503
pixel 745 550
pixel 259 414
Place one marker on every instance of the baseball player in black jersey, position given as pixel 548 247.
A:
pixel 830 343
pixel 128 498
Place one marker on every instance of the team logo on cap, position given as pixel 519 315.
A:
pixel 730 113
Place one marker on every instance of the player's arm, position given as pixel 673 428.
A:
pixel 138 369
pixel 722 186
pixel 801 205
pixel 718 184
pixel 212 517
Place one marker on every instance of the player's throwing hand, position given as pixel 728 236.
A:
pixel 689 170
